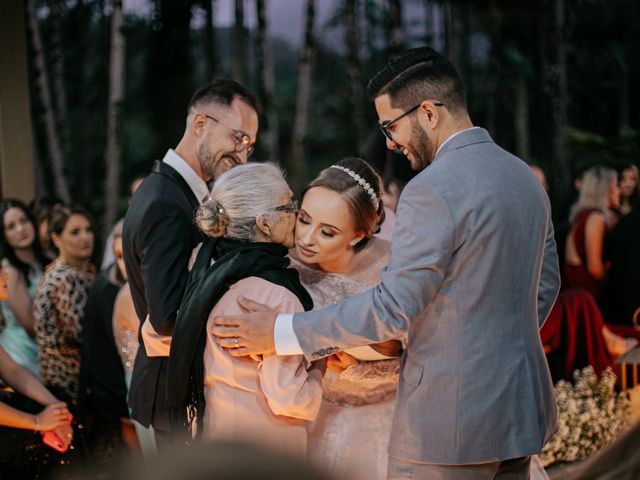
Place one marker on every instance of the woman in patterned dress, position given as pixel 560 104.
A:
pixel 60 301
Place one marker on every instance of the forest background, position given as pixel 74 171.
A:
pixel 554 81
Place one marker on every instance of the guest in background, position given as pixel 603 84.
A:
pixel 42 209
pixel 103 393
pixel 29 408
pixel 108 257
pixel 591 219
pixel 539 173
pixel 621 296
pixel 125 332
pixel 628 188
pixel 60 301
pixel 221 461
pixel 23 262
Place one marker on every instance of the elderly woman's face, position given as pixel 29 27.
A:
pixel 283 221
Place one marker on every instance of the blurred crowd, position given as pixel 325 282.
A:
pixel 594 320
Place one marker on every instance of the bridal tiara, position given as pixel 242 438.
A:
pixel 363 183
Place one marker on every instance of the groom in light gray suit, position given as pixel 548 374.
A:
pixel 472 276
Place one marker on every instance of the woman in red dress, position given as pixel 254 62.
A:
pixel 591 218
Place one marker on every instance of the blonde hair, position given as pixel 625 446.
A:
pixel 237 198
pixel 594 191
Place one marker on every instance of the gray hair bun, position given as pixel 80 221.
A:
pixel 212 218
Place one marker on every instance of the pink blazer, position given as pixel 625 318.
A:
pixel 268 399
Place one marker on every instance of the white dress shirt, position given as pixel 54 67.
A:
pixel 197 185
pixel 284 337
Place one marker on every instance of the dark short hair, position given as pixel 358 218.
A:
pixel 365 216
pixel 222 92
pixel 416 75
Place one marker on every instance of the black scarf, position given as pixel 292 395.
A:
pixel 206 284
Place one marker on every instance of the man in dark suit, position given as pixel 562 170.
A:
pixel 159 232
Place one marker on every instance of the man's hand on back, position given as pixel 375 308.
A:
pixel 247 334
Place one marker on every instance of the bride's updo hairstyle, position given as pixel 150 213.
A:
pixel 238 197
pixel 360 187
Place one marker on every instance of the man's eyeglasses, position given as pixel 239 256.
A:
pixel 384 126
pixel 291 207
pixel 243 141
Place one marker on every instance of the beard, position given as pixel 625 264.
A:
pixel 214 167
pixel 420 147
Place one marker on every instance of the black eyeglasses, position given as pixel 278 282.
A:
pixel 243 141
pixel 384 126
pixel 291 207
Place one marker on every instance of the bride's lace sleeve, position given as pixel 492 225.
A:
pixel 363 383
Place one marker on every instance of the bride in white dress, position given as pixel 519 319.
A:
pixel 338 257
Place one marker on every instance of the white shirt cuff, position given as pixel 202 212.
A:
pixel 284 337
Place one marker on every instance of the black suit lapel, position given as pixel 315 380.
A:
pixel 170 172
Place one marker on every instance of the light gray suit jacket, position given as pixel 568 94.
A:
pixel 472 276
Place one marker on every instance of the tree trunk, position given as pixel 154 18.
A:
pixel 561 170
pixel 210 39
pixel 116 96
pixel 623 100
pixel 354 71
pixel 396 33
pixel 58 78
pixel 303 96
pixel 51 131
pixel 239 51
pixel 452 14
pixel 493 82
pixel 521 120
pixel 266 82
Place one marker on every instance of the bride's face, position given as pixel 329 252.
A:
pixel 325 229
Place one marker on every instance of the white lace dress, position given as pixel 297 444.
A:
pixel 351 434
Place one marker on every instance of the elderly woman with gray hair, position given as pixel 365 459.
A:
pixel 249 218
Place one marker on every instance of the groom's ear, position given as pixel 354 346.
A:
pixel 263 225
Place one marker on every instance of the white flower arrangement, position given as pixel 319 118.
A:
pixel 590 415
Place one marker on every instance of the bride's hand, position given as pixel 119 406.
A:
pixel 340 362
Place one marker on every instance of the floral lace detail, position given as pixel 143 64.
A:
pixel 365 382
